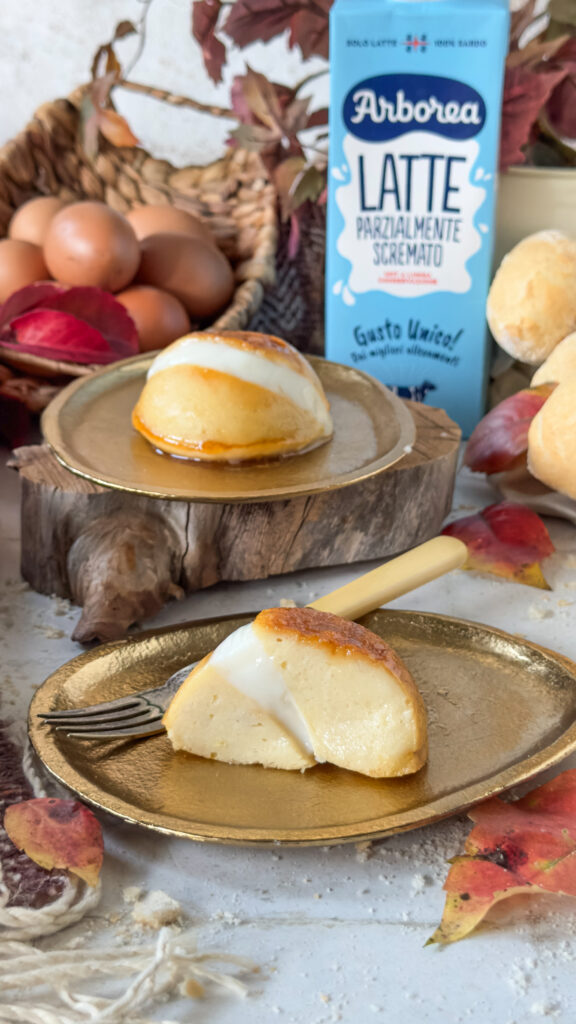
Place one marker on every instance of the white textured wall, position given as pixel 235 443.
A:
pixel 46 48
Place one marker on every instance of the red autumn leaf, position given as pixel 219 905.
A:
pixel 561 107
pixel 205 14
pixel 500 440
pixel 506 540
pixel 528 846
pixel 526 91
pixel 56 335
pixel 103 312
pixel 80 325
pixel 57 834
pixel 30 297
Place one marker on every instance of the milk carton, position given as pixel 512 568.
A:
pixel 415 100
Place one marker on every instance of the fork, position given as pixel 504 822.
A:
pixel 140 714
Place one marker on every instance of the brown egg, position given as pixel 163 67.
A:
pixel 91 244
pixel 197 274
pixel 21 263
pixel 160 318
pixel 31 221
pixel 151 220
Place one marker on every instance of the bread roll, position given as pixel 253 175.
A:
pixel 560 365
pixel 532 302
pixel 296 687
pixel 229 396
pixel 552 440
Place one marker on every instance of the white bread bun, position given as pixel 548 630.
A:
pixel 532 301
pixel 551 440
pixel 298 686
pixel 228 396
pixel 560 365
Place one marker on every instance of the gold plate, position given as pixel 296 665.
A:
pixel 500 709
pixel 89 429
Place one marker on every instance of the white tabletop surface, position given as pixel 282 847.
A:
pixel 338 932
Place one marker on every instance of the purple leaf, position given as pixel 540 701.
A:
pixel 205 14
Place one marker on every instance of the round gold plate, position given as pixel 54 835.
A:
pixel 89 429
pixel 499 709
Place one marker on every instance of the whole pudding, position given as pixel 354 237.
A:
pixel 231 396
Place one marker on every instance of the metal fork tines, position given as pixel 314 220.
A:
pixel 134 717
pixel 137 715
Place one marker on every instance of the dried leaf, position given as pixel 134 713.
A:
pixel 526 91
pixel 253 21
pixel 537 55
pixel 254 138
pixel 205 14
pixel 104 63
pixel 563 11
pixel 116 129
pixel 34 394
pixel 521 20
pixel 506 540
pixel 260 97
pixel 98 116
pixel 124 28
pixel 309 185
pixel 318 118
pixel 284 176
pixel 500 440
pixel 309 29
pixel 57 834
pixel 528 846
pixel 295 117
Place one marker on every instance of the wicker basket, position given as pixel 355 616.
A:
pixel 232 195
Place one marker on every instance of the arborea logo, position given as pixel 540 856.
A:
pixel 386 106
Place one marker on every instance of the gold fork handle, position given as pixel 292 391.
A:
pixel 410 570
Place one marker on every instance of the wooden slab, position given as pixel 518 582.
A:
pixel 122 556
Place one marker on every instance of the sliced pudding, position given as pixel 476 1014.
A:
pixel 296 687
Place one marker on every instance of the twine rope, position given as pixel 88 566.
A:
pixel 159 970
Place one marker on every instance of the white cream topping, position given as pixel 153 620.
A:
pixel 248 366
pixel 243 662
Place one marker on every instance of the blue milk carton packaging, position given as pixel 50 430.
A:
pixel 415 101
